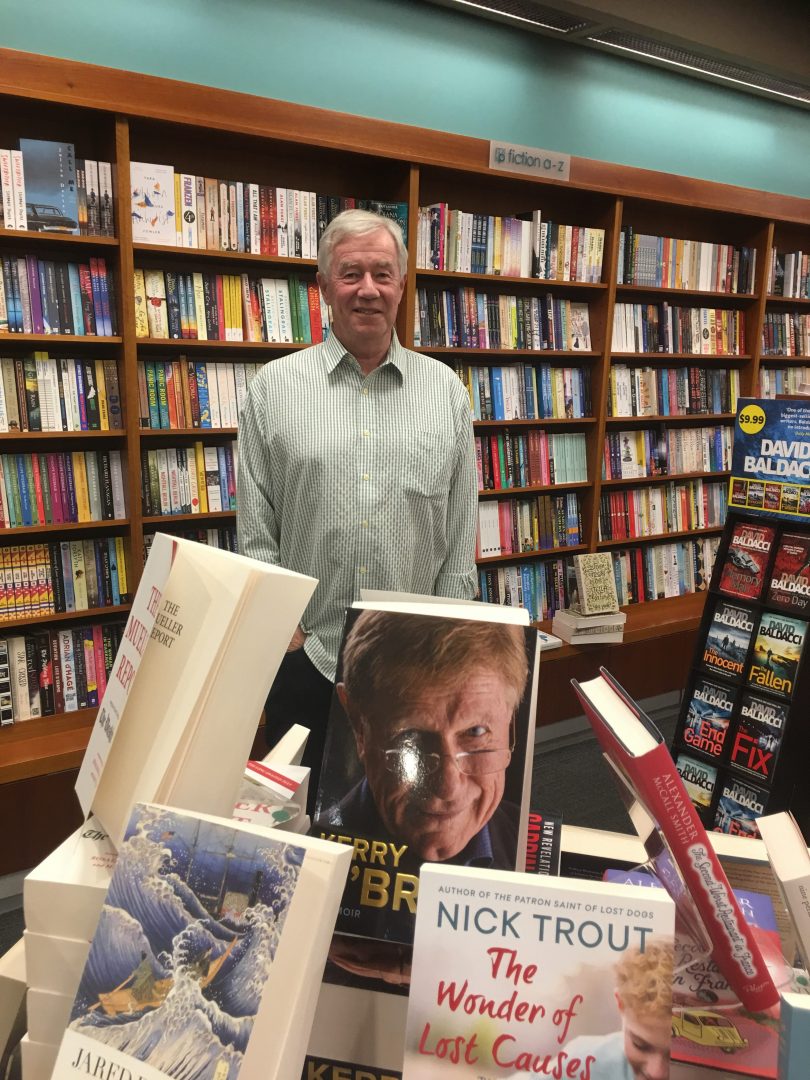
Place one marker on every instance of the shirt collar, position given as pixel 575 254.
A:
pixel 335 352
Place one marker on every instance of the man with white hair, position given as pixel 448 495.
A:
pixel 356 466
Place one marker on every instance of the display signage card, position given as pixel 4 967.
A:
pixel 510 157
pixel 770 473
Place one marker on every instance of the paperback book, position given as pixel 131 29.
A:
pixel 728 638
pixel 208 952
pixel 428 751
pixel 595 592
pixel 777 651
pixel 515 975
pixel 790 578
pixel 708 714
pixel 50 185
pixel 789 858
pixel 746 560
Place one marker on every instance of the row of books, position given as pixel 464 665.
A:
pixel 61 487
pixel 672 263
pixel 56 671
pixel 667 328
pixel 507 459
pixel 188 479
pixel 786 333
pixel 774 496
pixel 184 210
pixel 683 506
pixel 791 380
pixel 654 571
pixel 629 455
pixel 527 391
pixel 539 585
pixel 223 537
pixel 663 391
pixel 525 246
pixel 52 296
pixel 186 393
pixel 465 318
pixel 42 393
pixel 539 523
pixel 228 307
pixel 71 575
pixel 789 274
pixel 735 729
pixel 46 188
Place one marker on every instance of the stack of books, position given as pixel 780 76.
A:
pixel 593 612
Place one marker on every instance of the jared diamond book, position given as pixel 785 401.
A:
pixel 207 958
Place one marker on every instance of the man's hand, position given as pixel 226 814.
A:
pixel 297 640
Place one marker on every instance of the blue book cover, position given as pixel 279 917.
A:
pixel 52 202
pixel 497 394
pixel 67 575
pixel 771 446
pixel 25 494
pixel 529 388
pixel 202 394
pixel 114 579
pixel 794 1036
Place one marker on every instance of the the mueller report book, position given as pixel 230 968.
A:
pixel 207 958
pixel 516 975
pixel 428 752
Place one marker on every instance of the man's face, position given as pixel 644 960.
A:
pixel 437 814
pixel 363 288
pixel 646 1044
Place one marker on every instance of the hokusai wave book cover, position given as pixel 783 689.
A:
pixel 428 752
pixel 207 958
pixel 770 469
pixel 516 975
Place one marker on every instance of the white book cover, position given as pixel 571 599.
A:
pixel 47 1013
pixel 212 486
pixel 357 1033
pixel 255 246
pixel 9 217
pixel 3 409
pixel 37 1059
pixel 208 955
pixel 162 457
pixel 67 659
pixel 54 963
pixel 63 895
pixel 189 681
pixel 18 189
pixel 223 396
pixel 152 204
pixel 284 311
pixel 117 480
pixel 523 975
pixel 282 211
pixel 12 997
pixel 211 368
pixel 271 312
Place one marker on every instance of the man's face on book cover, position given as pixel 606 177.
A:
pixel 436 762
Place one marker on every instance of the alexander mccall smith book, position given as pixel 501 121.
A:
pixel 642 763
pixel 207 958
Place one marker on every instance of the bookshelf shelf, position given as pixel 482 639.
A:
pixel 713 530
pixel 65 526
pixel 90 614
pixel 120 117
pixel 679 418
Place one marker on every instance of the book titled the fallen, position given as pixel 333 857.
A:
pixel 203 640
pixel 790 578
pixel 634 746
pixel 517 975
pixel 777 651
pixel 208 954
pixel 595 584
pixel 790 861
pixel 746 560
pixel 428 751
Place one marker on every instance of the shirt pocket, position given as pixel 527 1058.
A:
pixel 427 463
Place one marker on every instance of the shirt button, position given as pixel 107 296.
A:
pixel 365 476
pixel 366 434
pixel 362 569
pixel 364 524
pixel 364 391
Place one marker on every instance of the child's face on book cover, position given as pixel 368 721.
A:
pixel 436 763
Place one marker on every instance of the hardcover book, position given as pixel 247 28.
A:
pixel 790 578
pixel 208 952
pixel 189 681
pixel 740 803
pixel 747 560
pixel 428 751
pixel 670 824
pixel 728 639
pixel 789 858
pixel 794 1036
pixel 777 652
pixel 516 975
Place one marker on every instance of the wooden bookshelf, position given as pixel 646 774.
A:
pixel 122 117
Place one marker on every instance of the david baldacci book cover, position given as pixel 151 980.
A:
pixel 515 975
pixel 790 578
pixel 777 652
pixel 746 560
pixel 728 638
pixel 708 715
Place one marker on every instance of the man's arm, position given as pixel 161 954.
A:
pixel 257 525
pixel 457 576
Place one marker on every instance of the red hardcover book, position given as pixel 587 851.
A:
pixel 746 560
pixel 636 749
pixel 314 300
